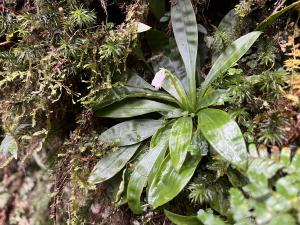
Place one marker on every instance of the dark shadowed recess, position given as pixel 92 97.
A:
pixel 217 9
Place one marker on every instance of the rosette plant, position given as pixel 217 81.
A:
pixel 187 121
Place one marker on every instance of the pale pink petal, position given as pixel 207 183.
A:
pixel 158 79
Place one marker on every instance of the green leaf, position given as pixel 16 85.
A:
pixel 9 145
pixel 278 203
pixel 112 163
pixel 283 218
pixel 140 175
pixel 286 187
pixel 178 112
pixel 213 98
pixel 273 17
pixel 135 87
pixel 262 214
pixel 246 221
pixel 133 107
pixel 207 218
pixel 258 186
pixel 162 134
pixel 240 206
pixel 236 178
pixel 180 138
pixel 168 182
pixel 228 25
pixel 130 132
pixel 229 57
pixel 223 134
pixel 170 59
pixel 135 80
pixel 182 220
pixel 220 203
pixel 198 145
pixel 118 184
pixel 229 22
pixel 172 85
pixel 186 35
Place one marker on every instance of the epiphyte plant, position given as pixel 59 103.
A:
pixel 167 164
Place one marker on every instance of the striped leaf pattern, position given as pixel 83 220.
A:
pixel 186 35
pixel 112 163
pixel 223 134
pixel 168 182
pixel 133 107
pixel 135 87
pixel 173 86
pixel 138 178
pixel 130 132
pixel 180 138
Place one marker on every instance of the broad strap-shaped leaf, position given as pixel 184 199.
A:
pixel 162 134
pixel 273 17
pixel 135 87
pixel 172 85
pixel 180 71
pixel 186 35
pixel 223 134
pixel 229 57
pixel 112 163
pixel 213 98
pixel 180 138
pixel 178 112
pixel 130 132
pixel 138 179
pixel 133 107
pixel 118 184
pixel 198 145
pixel 9 145
pixel 168 182
pixel 182 220
pixel 147 167
pixel 118 93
